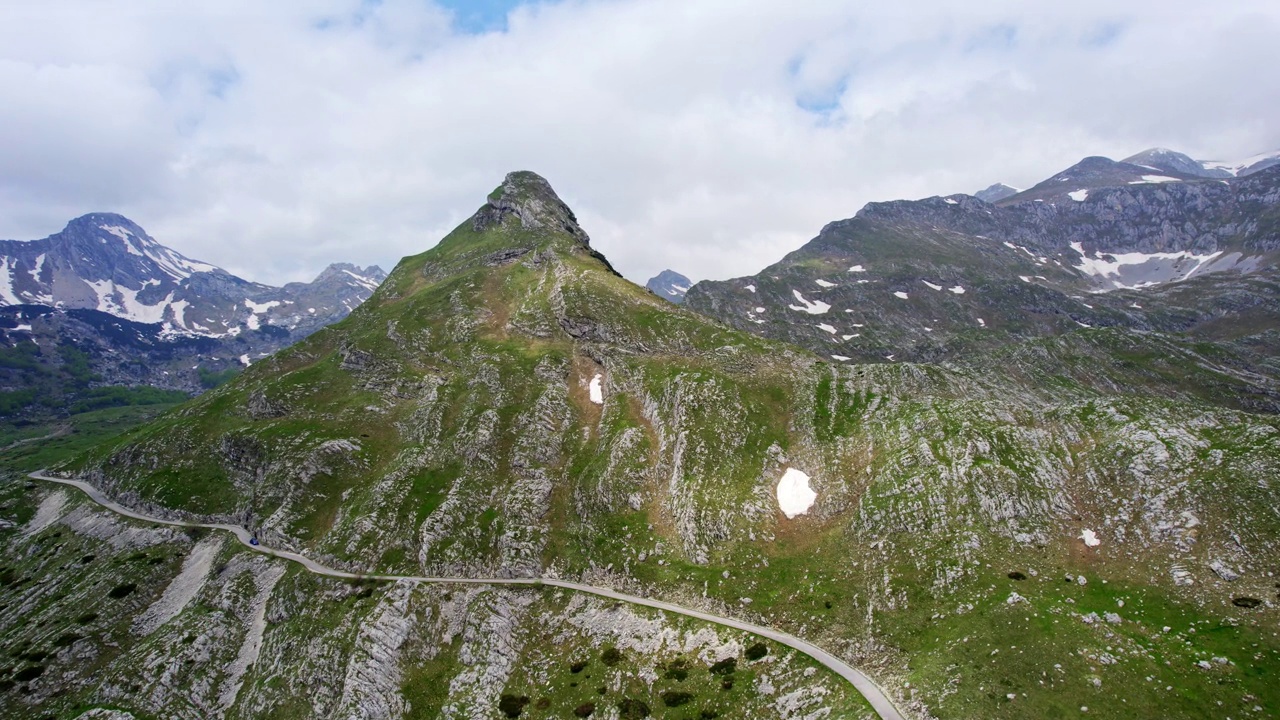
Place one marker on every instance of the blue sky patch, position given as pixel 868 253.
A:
pixel 481 16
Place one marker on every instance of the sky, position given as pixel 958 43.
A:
pixel 711 137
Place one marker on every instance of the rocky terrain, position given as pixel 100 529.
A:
pixel 1075 520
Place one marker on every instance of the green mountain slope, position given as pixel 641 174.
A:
pixel 451 425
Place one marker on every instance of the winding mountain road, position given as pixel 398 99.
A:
pixel 863 684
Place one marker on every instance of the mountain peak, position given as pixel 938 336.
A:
pixel 670 285
pixel 528 198
pixel 996 193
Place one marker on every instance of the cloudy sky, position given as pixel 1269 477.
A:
pixel 707 136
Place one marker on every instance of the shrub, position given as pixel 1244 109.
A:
pixel 124 590
pixel 757 651
pixel 511 705
pixel 725 667
pixel 632 709
pixel 578 667
pixel 1246 602
pixel 1015 575
pixel 585 709
pixel 611 656
pixel 675 698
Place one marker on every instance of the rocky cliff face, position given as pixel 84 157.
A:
pixel 505 405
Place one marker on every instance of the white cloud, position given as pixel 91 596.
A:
pixel 273 141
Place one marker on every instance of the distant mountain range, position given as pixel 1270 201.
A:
pixel 1149 247
pixel 142 313
pixel 106 262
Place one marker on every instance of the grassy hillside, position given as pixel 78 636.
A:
pixel 448 426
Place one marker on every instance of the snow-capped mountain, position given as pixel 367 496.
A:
pixel 1163 159
pixel 669 284
pixel 106 262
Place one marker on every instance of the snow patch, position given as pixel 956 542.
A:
pixel 824 283
pixel 931 285
pixel 847 338
pixel 597 393
pixel 817 307
pixel 901 295
pixel 751 288
pixel 1154 179
pixel 826 328
pixel 949 201
pixel 244 359
pixel 841 358
pixel 795 497
pixel 1078 195
pixel 1090 538
pixel 958 290
pixel 259 308
pixel 857 268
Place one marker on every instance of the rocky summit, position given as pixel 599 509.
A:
pixel 1007 538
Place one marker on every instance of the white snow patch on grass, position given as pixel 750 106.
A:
pixel 1078 195
pixel 752 288
pixel 841 358
pixel 857 268
pixel 949 201
pixel 900 295
pixel 847 338
pixel 1024 278
pixel 826 328
pixel 759 309
pixel 982 323
pixel 958 290
pixel 931 285
pixel 795 497
pixel 1090 538
pixel 244 359
pixel 1154 179
pixel 817 307
pixel 597 392
pixel 824 283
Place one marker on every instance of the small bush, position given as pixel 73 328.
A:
pixel 611 656
pixel 543 703
pixel 725 667
pixel 727 684
pixel 67 639
pixel 708 715
pixel 676 673
pixel 1015 575
pixel 632 709
pixel 121 591
pixel 512 706
pixel 86 618
pixel 29 673
pixel 1246 602
pixel 675 698
pixel 585 709
pixel 578 667
pixel 757 651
